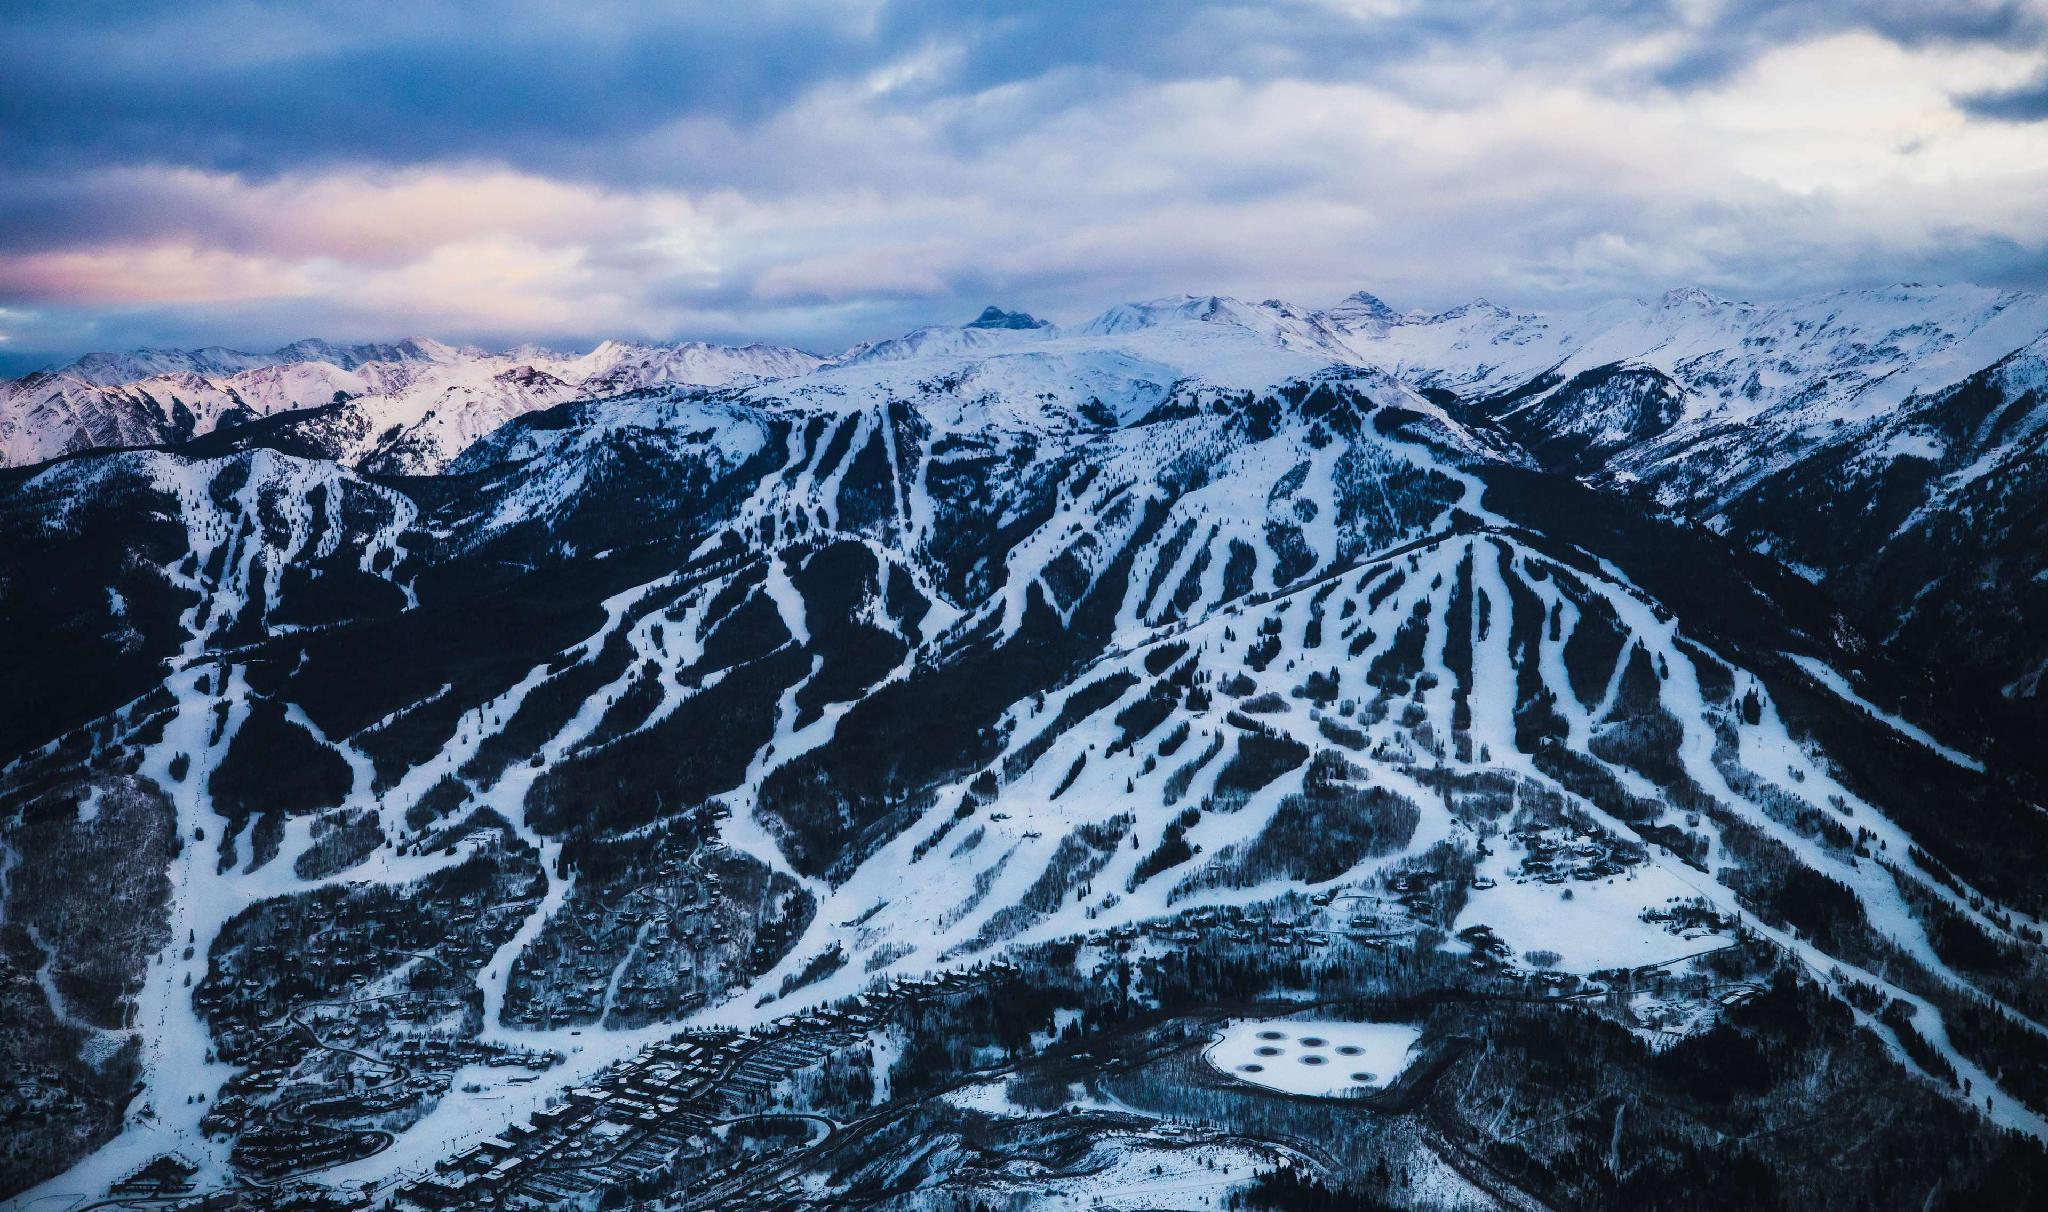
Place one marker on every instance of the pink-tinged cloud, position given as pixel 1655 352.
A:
pixel 156 274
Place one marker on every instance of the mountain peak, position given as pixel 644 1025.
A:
pixel 1362 309
pixel 349 357
pixel 995 317
pixel 1477 307
pixel 1694 296
pixel 1129 317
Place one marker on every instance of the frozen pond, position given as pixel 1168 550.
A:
pixel 1318 1058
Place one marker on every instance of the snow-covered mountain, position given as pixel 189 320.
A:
pixel 1856 353
pixel 1633 390
pixel 1203 661
pixel 1885 439
pixel 404 407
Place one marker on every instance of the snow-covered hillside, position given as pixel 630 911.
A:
pixel 702 687
pixel 1886 440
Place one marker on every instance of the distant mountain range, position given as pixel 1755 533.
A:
pixel 406 407
pixel 1865 436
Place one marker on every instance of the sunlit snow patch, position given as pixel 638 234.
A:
pixel 989 1098
pixel 1324 1059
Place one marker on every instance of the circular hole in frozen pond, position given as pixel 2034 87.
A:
pixel 1361 1077
pixel 1349 1050
pixel 1271 1035
pixel 1251 1068
pixel 1312 1041
pixel 1313 1059
pixel 1268 1051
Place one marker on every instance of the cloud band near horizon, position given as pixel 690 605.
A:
pixel 247 173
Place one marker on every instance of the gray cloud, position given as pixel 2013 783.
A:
pixel 2024 103
pixel 228 170
pixel 553 86
pixel 1737 31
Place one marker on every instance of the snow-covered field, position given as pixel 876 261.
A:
pixel 1138 1178
pixel 1589 925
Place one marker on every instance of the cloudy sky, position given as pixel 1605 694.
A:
pixel 249 173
